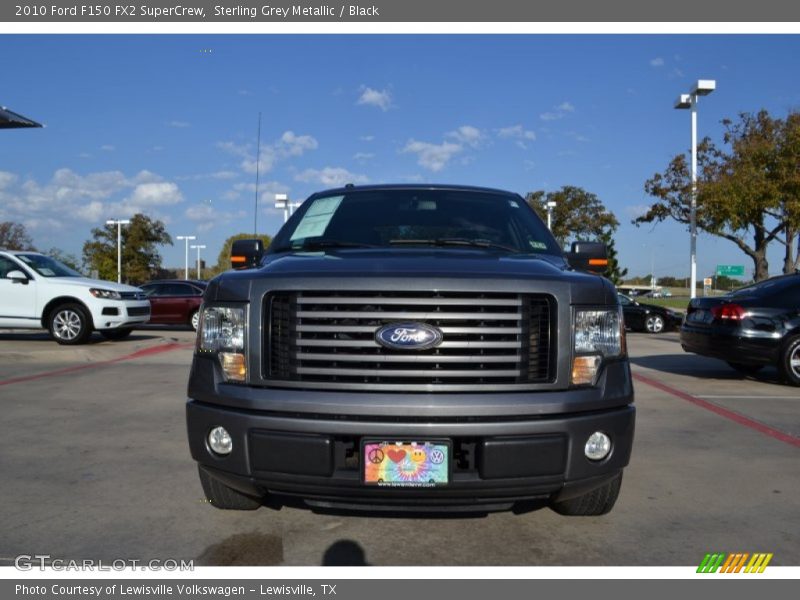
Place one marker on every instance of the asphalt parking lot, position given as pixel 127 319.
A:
pixel 95 465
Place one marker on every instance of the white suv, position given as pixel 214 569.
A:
pixel 38 291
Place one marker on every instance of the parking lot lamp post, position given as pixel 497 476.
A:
pixel 119 223
pixel 199 247
pixel 185 239
pixel 550 206
pixel 282 201
pixel 703 87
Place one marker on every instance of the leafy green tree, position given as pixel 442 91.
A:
pixel 615 273
pixel 14 236
pixel 140 257
pixel 748 191
pixel 68 259
pixel 224 258
pixel 578 214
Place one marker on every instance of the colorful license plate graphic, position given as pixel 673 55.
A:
pixel 406 464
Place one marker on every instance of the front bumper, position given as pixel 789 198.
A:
pixel 117 314
pixel 498 459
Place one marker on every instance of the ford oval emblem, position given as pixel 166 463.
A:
pixel 408 336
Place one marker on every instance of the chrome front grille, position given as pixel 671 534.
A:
pixel 490 340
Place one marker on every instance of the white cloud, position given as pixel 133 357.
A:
pixel 295 145
pixel 637 210
pixel 288 145
pixel 179 124
pixel 433 157
pixel 90 198
pixel 559 112
pixel 467 134
pixel 206 217
pixel 155 194
pixel 330 176
pixel 107 148
pixel 371 97
pixel 657 62
pixel 516 132
pixel 367 138
pixel 362 156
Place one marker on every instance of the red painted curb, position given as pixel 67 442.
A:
pixel 723 412
pixel 102 363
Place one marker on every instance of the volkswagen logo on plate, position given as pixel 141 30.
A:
pixel 408 336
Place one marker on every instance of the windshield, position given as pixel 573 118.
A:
pixel 46 266
pixel 398 217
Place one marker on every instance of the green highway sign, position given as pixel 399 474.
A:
pixel 730 270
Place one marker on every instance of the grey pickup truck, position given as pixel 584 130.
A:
pixel 412 348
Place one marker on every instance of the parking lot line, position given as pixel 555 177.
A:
pixel 750 397
pixel 133 355
pixel 723 412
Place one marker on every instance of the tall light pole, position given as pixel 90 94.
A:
pixel 703 87
pixel 282 201
pixel 550 206
pixel 119 223
pixel 199 247
pixel 186 239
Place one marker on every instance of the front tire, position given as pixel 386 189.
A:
pixel 221 496
pixel 70 324
pixel 116 334
pixel 654 324
pixel 789 365
pixel 598 502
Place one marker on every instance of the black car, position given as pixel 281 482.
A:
pixel 648 317
pixel 751 328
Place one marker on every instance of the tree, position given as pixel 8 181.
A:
pixel 748 193
pixel 614 273
pixel 224 258
pixel 68 259
pixel 140 257
pixel 578 214
pixel 14 236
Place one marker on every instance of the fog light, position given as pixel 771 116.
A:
pixel 233 365
pixel 584 369
pixel 219 440
pixel 597 446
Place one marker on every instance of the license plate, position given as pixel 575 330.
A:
pixel 406 464
pixel 700 316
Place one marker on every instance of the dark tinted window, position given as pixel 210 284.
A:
pixel 386 218
pixel 154 290
pixel 6 266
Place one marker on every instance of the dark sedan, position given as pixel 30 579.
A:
pixel 751 328
pixel 175 302
pixel 648 317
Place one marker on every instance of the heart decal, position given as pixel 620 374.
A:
pixel 396 455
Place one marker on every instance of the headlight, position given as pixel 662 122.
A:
pixel 222 331
pixel 599 334
pixel 105 294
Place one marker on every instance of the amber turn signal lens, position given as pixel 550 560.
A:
pixel 233 365
pixel 584 369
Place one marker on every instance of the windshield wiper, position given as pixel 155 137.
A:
pixel 322 245
pixel 475 243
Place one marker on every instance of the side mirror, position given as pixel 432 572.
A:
pixel 17 277
pixel 246 254
pixel 588 256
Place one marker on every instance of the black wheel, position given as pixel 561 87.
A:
pixel 789 365
pixel 598 502
pixel 69 324
pixel 654 324
pixel 194 319
pixel 116 334
pixel 221 496
pixel 744 369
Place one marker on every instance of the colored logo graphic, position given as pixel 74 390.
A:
pixel 405 463
pixel 734 563
pixel 408 336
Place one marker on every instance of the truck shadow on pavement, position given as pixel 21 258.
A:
pixel 700 366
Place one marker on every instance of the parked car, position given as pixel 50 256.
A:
pixel 175 301
pixel 412 348
pixel 750 328
pixel 39 291
pixel 648 317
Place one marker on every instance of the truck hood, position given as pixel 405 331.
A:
pixel 92 283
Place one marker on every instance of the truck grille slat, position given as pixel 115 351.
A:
pixel 327 340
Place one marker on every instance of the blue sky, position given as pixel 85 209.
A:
pixel 166 124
